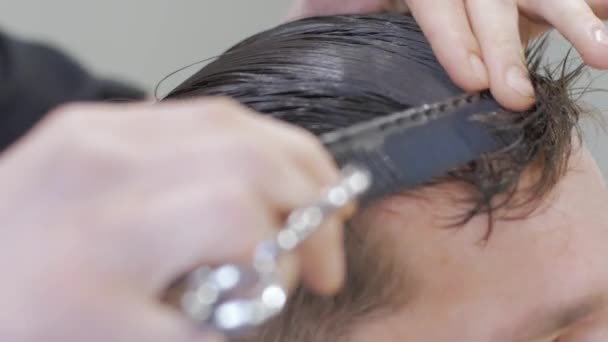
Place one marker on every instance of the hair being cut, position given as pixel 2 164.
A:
pixel 327 73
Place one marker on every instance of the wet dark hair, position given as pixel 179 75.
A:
pixel 326 73
pixel 331 72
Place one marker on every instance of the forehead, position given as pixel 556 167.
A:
pixel 531 277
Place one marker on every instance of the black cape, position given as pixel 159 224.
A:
pixel 35 78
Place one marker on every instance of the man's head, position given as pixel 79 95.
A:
pixel 413 274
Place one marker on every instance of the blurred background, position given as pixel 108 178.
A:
pixel 141 41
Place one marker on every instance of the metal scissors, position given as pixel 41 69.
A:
pixel 236 298
pixel 380 157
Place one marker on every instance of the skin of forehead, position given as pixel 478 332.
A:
pixel 583 171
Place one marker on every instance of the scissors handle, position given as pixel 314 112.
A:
pixel 236 298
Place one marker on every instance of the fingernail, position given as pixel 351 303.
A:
pixel 600 34
pixel 479 68
pixel 519 80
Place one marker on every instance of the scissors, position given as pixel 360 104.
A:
pixel 379 157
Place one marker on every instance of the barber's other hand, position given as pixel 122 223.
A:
pixel 103 206
pixel 479 42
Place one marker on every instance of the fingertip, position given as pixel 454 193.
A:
pixel 496 25
pixel 332 280
pixel 577 22
pixel 447 28
pixel 513 101
pixel 596 61
pixel 336 270
pixel 595 53
pixel 323 262
pixel 514 90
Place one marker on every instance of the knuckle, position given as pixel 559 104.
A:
pixel 66 116
pixel 66 128
pixel 74 143
pixel 81 143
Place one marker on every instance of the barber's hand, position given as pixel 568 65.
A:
pixel 479 42
pixel 103 206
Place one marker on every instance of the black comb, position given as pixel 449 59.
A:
pixel 409 148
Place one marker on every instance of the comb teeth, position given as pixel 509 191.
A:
pixel 371 132
pixel 384 175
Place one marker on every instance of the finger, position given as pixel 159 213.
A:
pixel 164 126
pixel 254 129
pixel 289 271
pixel 275 138
pixel 286 177
pixel 222 222
pixel 446 26
pixel 322 255
pixel 185 228
pixel 600 8
pixel 301 146
pixel 496 26
pixel 287 166
pixel 322 258
pixel 576 21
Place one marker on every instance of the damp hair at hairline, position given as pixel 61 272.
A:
pixel 326 73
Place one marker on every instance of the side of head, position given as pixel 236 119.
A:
pixel 409 276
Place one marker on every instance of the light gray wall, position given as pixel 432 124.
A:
pixel 140 40
pixel 143 40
